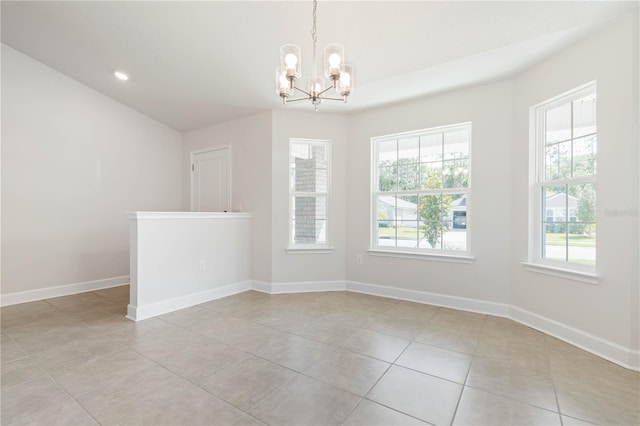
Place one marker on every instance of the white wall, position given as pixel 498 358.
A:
pixel 609 310
pixel 74 162
pixel 292 268
pixel 181 259
pixel 250 141
pixel 488 107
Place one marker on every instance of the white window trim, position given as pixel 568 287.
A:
pixel 438 257
pixel 535 262
pixel 569 274
pixel 420 253
pixel 320 248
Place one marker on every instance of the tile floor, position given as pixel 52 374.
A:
pixel 298 359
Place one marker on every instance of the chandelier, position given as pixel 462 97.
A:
pixel 340 74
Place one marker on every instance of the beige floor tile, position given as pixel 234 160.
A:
pixel 294 352
pixel 99 371
pixel 114 322
pixel 98 313
pixel 10 350
pixel 327 332
pixel 351 318
pixel 572 364
pixel 287 321
pixel 218 325
pixel 305 401
pixel 247 420
pixel 348 370
pixel 314 309
pixel 65 413
pixel 20 371
pixel 49 333
pixel 402 328
pixel 28 398
pixel 443 336
pixel 483 408
pixel 526 386
pixel 419 395
pixel 25 313
pixel 156 396
pixel 117 294
pixel 515 354
pixel 570 421
pixel 77 352
pixel 79 302
pixel 411 311
pixel 377 345
pixel 247 382
pixel 369 413
pixel 505 326
pixel 190 316
pixel 131 333
pixel 508 330
pixel 251 338
pixel 436 361
pixel 459 319
pixel 192 358
pixel 597 401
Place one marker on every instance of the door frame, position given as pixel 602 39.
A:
pixel 227 149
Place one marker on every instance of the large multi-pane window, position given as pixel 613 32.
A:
pixel 309 176
pixel 421 190
pixel 564 232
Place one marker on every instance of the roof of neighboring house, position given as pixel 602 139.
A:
pixel 558 200
pixel 460 202
pixel 401 204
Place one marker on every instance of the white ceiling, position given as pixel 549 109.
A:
pixel 197 63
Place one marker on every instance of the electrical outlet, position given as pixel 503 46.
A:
pixel 203 265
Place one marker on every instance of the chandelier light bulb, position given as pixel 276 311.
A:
pixel 334 60
pixel 344 84
pixel 283 85
pixel 316 86
pixel 291 60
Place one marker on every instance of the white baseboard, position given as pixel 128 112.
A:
pixel 141 312
pixel 307 286
pixel 62 290
pixel 261 286
pixel 613 352
pixel 455 302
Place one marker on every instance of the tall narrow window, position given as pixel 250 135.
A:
pixel 309 184
pixel 564 230
pixel 421 190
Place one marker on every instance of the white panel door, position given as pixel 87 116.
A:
pixel 210 181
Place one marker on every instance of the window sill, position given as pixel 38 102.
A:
pixel 569 274
pixel 423 256
pixel 309 250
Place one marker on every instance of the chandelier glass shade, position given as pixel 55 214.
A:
pixel 339 74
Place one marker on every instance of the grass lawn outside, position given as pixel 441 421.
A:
pixel 575 240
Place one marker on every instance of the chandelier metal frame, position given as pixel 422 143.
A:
pixel 340 74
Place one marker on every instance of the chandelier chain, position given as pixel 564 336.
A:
pixel 314 36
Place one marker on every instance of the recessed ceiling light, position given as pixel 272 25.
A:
pixel 121 75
